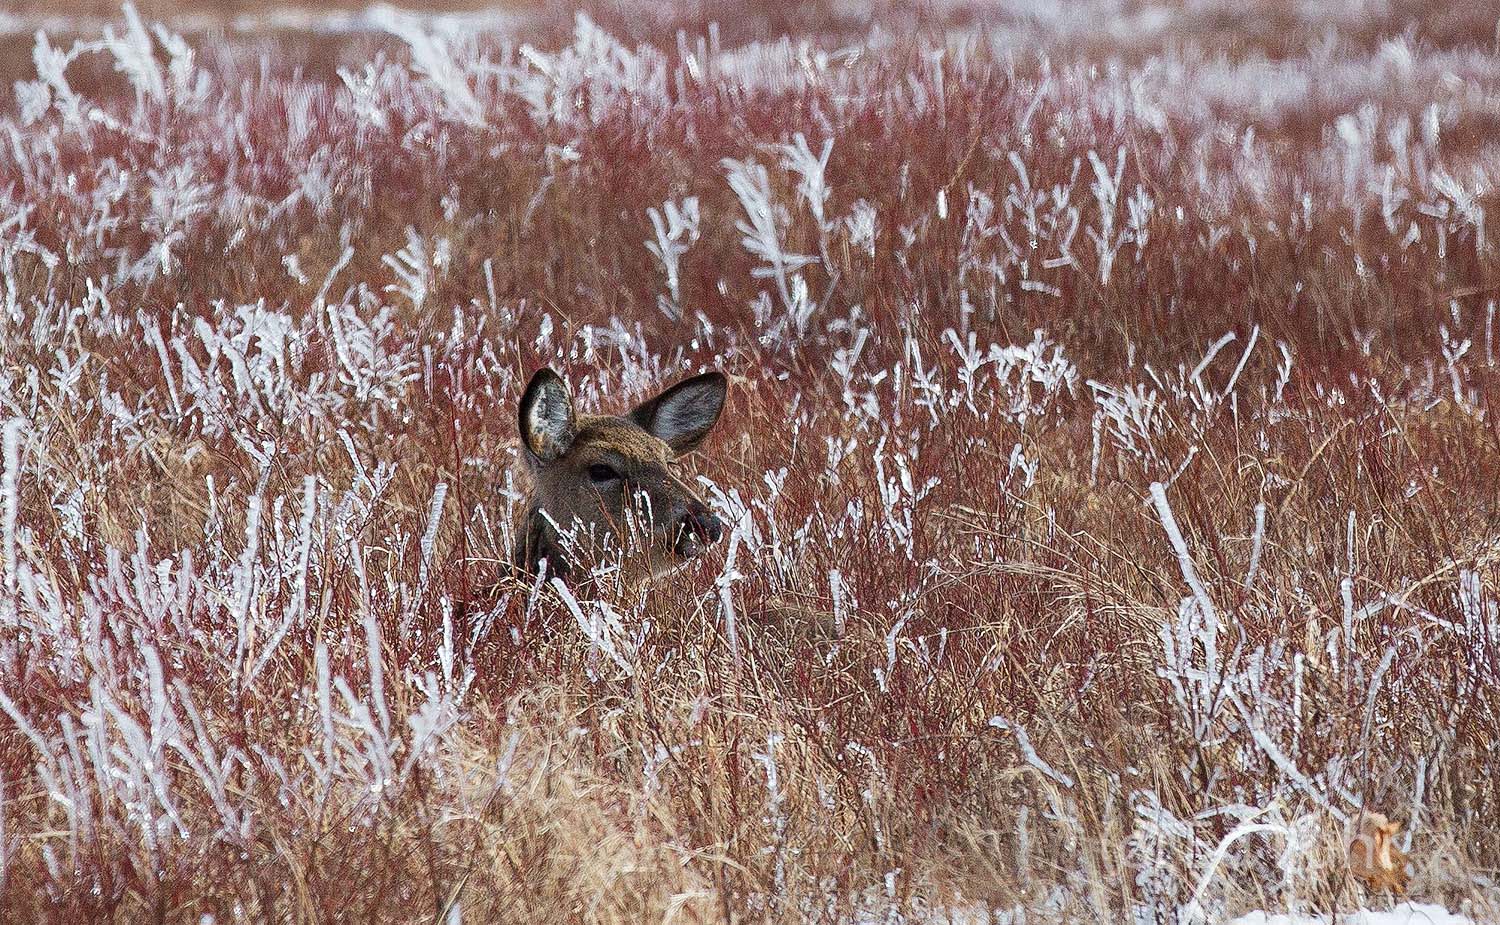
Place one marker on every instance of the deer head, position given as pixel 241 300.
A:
pixel 602 480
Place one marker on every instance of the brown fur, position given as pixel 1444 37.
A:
pixel 647 507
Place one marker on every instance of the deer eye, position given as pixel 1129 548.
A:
pixel 600 473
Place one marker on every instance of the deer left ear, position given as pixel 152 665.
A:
pixel 684 414
pixel 545 417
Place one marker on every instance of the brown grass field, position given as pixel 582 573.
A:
pixel 1112 459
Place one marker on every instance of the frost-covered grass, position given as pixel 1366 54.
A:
pixel 1111 459
pixel 1402 914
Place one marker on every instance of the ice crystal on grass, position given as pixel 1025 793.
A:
pixel 675 234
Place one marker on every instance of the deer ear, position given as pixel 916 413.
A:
pixel 546 416
pixel 684 414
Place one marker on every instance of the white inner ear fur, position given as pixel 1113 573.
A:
pixel 549 420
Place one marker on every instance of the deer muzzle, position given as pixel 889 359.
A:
pixel 699 527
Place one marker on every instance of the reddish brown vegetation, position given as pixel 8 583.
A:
pixel 262 342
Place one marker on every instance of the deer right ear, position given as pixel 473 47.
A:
pixel 684 414
pixel 546 416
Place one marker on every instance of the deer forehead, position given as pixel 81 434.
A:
pixel 605 434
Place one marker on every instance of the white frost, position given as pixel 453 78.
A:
pixel 1404 914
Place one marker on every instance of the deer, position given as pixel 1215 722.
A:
pixel 612 479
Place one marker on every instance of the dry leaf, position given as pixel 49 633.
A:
pixel 1373 855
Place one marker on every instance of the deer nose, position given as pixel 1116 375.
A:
pixel 704 522
pixel 699 525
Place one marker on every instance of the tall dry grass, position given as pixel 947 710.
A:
pixel 1112 459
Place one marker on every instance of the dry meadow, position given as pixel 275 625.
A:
pixel 1110 463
